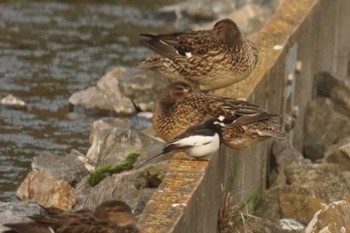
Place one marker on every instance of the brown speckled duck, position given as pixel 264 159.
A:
pixel 208 59
pixel 180 108
pixel 109 217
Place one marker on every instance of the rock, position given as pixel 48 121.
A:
pixel 121 92
pixel 284 156
pixel 339 153
pixel 291 225
pixel 109 84
pixel 334 87
pixel 259 225
pixel 320 180
pixel 11 212
pixel 142 88
pixel 105 97
pixel 52 193
pixel 346 176
pixel 112 142
pixel 68 168
pixel 91 100
pixel 299 207
pixel 307 186
pixel 335 217
pixel 268 207
pixel 13 102
pixel 135 186
pixel 99 131
pixel 324 126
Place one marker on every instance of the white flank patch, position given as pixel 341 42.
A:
pixel 188 54
pixel 200 145
pixel 204 149
pixel 196 140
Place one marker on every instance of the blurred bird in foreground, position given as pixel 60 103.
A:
pixel 110 216
pixel 197 141
pixel 210 59
pixel 180 107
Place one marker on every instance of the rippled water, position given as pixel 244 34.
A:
pixel 48 50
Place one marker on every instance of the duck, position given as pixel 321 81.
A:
pixel 110 216
pixel 206 59
pixel 181 107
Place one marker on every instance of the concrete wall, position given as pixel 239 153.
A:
pixel 302 38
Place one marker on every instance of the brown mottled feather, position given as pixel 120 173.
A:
pixel 109 217
pixel 209 59
pixel 180 108
pixel 243 136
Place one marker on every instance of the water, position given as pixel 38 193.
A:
pixel 49 50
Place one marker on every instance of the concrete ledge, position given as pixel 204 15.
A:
pixel 302 38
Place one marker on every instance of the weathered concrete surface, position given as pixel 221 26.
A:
pixel 301 39
pixel 176 201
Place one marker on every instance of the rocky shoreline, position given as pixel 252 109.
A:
pixel 309 191
pixel 305 189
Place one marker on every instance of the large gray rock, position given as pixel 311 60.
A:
pixel 105 97
pixel 69 168
pixel 100 130
pixel 321 180
pixel 11 212
pixel 121 92
pixel 334 87
pixel 91 100
pixel 300 207
pixel 259 225
pixel 52 193
pixel 269 207
pixel 285 155
pixel 323 127
pixel 339 153
pixel 307 188
pixel 112 140
pixel 335 217
pixel 135 187
pixel 142 87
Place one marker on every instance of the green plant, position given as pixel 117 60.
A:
pixel 107 169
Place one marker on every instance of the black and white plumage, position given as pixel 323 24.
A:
pixel 197 141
